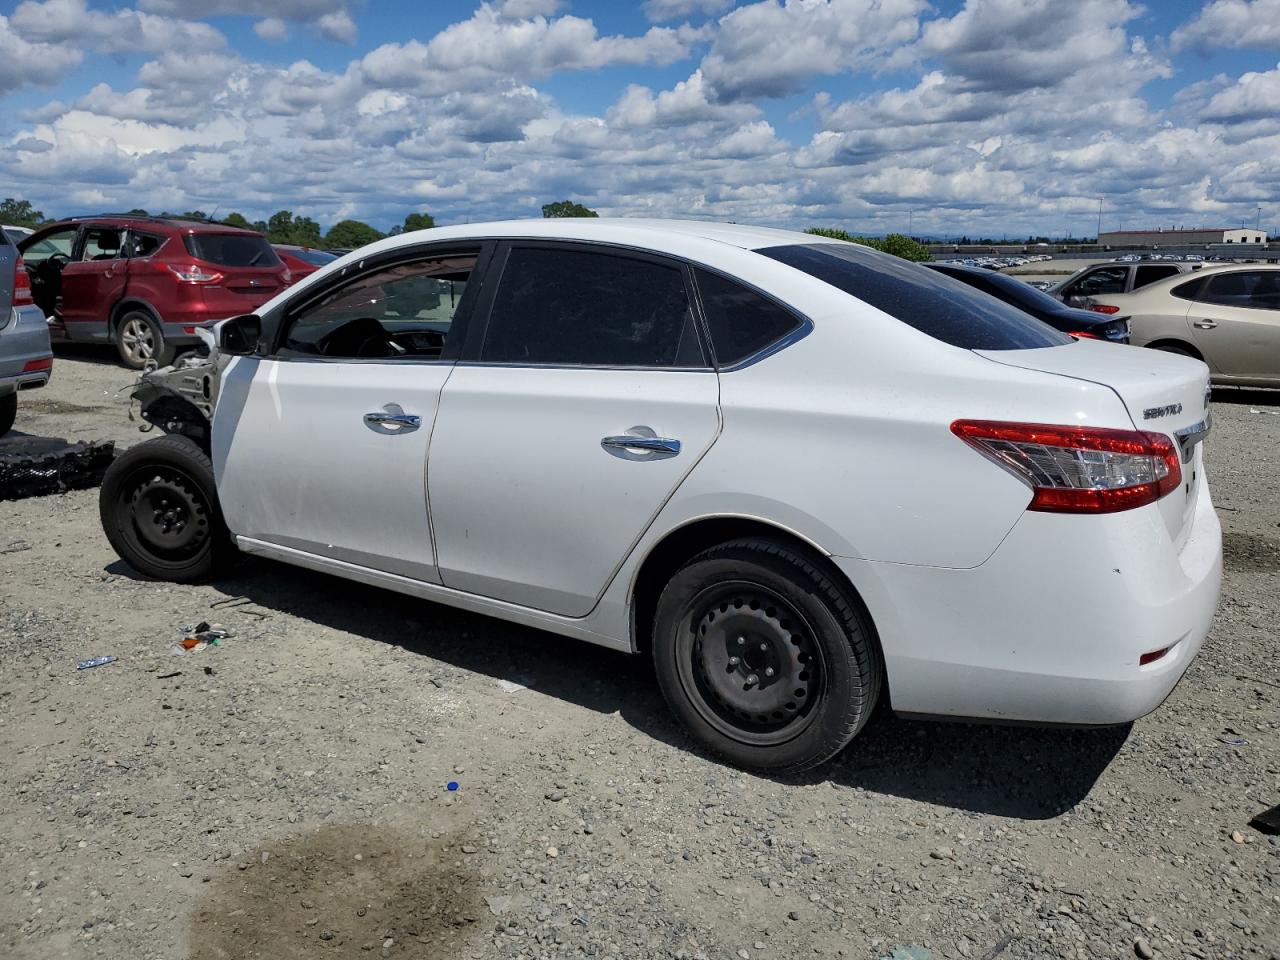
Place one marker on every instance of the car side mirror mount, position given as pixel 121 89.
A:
pixel 239 336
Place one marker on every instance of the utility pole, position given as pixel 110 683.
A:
pixel 1258 223
pixel 911 213
pixel 1099 233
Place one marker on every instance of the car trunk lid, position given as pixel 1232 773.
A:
pixel 1162 392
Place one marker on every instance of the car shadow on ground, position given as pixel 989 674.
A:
pixel 1246 396
pixel 1022 772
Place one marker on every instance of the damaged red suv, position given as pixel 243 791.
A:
pixel 145 283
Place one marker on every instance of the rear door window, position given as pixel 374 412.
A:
pixel 1150 274
pixel 1191 289
pixel 231 249
pixel 741 321
pixel 574 307
pixel 143 244
pixel 1098 282
pixel 938 305
pixel 1258 290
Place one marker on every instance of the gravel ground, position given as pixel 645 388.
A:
pixel 284 795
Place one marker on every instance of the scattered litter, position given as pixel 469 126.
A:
pixel 1268 821
pixel 169 676
pixel 37 466
pixel 510 686
pixel 17 546
pixel 1234 741
pixel 209 671
pixel 451 786
pixel 95 662
pixel 1237 836
pixel 198 636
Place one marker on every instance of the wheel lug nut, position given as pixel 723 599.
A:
pixel 734 661
pixel 768 671
pixel 742 641
pixel 764 646
pixel 753 679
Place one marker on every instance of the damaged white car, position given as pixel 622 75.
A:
pixel 800 474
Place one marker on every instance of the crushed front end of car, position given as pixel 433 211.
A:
pixel 179 398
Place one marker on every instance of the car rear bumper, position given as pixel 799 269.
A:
pixel 23 340
pixel 1052 627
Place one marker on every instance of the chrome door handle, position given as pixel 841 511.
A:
pixel 393 419
pixel 1203 324
pixel 653 444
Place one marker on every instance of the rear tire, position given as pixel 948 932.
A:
pixel 139 339
pixel 765 658
pixel 8 412
pixel 159 509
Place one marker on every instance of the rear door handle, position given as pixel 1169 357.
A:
pixel 393 419
pixel 651 444
pixel 1203 324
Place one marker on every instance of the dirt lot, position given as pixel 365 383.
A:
pixel 284 795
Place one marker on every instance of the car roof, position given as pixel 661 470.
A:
pixel 615 230
pixel 175 223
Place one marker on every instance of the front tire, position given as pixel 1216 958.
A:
pixel 8 412
pixel 139 340
pixel 159 509
pixel 765 658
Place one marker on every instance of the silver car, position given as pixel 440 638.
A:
pixel 26 360
pixel 1115 277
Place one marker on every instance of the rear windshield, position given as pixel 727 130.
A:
pixel 231 249
pixel 933 303
pixel 316 258
pixel 1009 289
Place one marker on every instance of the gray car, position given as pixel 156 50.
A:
pixel 26 359
pixel 1118 276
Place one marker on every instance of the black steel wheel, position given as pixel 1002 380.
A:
pixel 160 511
pixel 765 657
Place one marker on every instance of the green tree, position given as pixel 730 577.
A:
pixel 234 219
pixel 567 208
pixel 20 213
pixel 351 233
pixel 195 215
pixel 283 228
pixel 894 243
pixel 418 221
pixel 138 212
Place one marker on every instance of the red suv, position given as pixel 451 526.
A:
pixel 145 283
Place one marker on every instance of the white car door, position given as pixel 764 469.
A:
pixel 579 408
pixel 321 446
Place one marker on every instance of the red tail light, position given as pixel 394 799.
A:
pixel 34 366
pixel 1086 334
pixel 1103 308
pixel 1078 469
pixel 21 286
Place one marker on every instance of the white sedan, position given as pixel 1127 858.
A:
pixel 802 475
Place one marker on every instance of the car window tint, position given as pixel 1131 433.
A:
pixel 231 249
pixel 101 243
pixel 591 309
pixel 1145 275
pixel 741 321
pixel 1191 289
pixel 400 311
pixel 1106 280
pixel 1259 290
pixel 938 305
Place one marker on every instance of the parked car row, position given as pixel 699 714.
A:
pixel 146 284
pixel 996 263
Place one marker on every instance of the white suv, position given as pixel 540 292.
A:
pixel 800 474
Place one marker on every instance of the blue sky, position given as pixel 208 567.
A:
pixel 963 116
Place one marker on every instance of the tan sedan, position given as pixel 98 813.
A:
pixel 1228 316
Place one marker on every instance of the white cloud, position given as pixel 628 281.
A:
pixel 271 28
pixel 770 50
pixel 123 31
pixel 661 10
pixel 24 63
pixel 1231 23
pixel 1254 96
pixel 338 26
pixel 524 9
pixel 300 10
pixel 488 48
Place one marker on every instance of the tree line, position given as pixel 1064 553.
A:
pixel 284 227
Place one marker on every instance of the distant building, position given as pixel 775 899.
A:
pixel 1171 238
